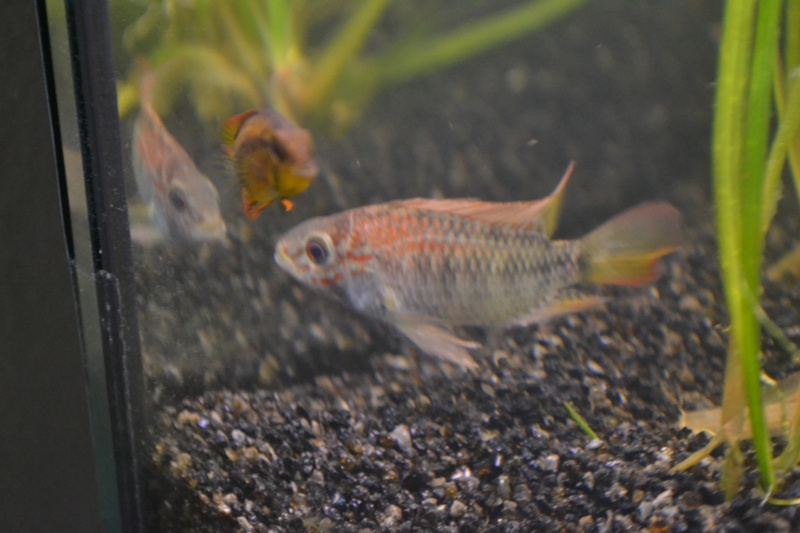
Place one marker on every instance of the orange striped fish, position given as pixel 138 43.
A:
pixel 424 265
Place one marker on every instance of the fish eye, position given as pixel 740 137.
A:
pixel 318 251
pixel 177 198
pixel 279 151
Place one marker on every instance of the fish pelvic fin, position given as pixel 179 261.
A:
pixel 626 249
pixel 440 343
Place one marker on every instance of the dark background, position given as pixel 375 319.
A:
pixel 47 473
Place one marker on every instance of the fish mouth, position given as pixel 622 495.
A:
pixel 308 170
pixel 282 257
pixel 214 230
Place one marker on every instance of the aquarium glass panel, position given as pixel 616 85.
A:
pixel 410 265
pixel 85 271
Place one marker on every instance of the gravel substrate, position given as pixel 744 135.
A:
pixel 278 410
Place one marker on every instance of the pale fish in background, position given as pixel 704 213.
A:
pixel 424 265
pixel 182 201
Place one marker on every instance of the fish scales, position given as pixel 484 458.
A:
pixel 462 272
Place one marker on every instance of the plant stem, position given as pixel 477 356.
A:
pixel 249 57
pixel 341 50
pixel 757 134
pixel 726 150
pixel 204 66
pixel 783 76
pixel 412 60
pixel 699 455
pixel 792 42
pixel 788 128
pixel 780 103
pixel 279 31
pixel 729 138
pixel 580 421
pixel 777 334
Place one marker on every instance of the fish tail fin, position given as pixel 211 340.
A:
pixel 626 249
pixel 230 128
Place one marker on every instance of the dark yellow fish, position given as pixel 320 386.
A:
pixel 273 158
pixel 424 265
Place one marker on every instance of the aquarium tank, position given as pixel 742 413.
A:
pixel 363 265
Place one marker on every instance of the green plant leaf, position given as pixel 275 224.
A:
pixel 340 51
pixel 580 421
pixel 787 130
pixel 757 134
pixel 743 366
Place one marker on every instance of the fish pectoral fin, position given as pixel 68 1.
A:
pixel 143 223
pixel 440 343
pixel 562 304
pixel 140 212
pixel 287 204
pixel 146 234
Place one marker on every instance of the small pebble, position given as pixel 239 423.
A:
pixel 550 463
pixel 457 509
pixel 391 516
pixel 402 438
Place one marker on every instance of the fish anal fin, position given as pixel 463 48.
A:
pixel 439 342
pixel 563 304
pixel 536 215
pixel 251 207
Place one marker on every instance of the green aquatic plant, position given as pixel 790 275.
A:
pixel 574 415
pixel 749 154
pixel 238 54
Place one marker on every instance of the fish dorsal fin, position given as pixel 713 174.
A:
pixel 536 215
pixel 146 86
pixel 230 127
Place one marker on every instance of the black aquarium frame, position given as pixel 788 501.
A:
pixel 52 440
pixel 101 150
